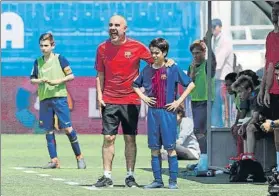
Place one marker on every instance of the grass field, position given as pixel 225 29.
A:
pixel 22 155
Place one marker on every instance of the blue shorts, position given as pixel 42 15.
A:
pixel 51 106
pixel 161 129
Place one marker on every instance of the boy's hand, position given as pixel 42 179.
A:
pixel 172 106
pixel 169 63
pixel 149 100
pixel 54 82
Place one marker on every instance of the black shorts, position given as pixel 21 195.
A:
pixel 126 114
pixel 272 113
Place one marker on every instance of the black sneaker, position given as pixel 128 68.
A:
pixel 130 182
pixel 103 182
pixel 273 179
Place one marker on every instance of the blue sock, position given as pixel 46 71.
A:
pixel 277 159
pixel 74 142
pixel 173 168
pixel 156 168
pixel 51 145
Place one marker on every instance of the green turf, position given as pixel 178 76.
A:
pixel 29 151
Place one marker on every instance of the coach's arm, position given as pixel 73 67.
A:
pixel 100 88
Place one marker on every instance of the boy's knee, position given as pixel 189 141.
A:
pixel 49 132
pixel 171 152
pixel 68 130
pixel 155 153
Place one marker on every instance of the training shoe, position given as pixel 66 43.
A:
pixel 130 182
pixel 81 163
pixel 173 185
pixel 154 184
pixel 53 164
pixel 103 182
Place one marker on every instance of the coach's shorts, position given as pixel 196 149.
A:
pixel 272 113
pixel 126 114
pixel 161 129
pixel 51 106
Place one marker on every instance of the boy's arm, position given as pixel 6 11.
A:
pixel 137 84
pixel 185 81
pixel 34 74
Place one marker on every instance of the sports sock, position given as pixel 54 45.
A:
pixel 74 142
pixel 156 168
pixel 173 168
pixel 51 145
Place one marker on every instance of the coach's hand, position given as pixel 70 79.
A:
pixel 260 97
pixel 101 104
pixel 266 126
pixel 169 63
pixel 172 106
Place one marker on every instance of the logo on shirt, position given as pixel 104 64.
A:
pixel 127 54
pixel 163 76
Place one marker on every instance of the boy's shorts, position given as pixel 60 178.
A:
pixel 51 106
pixel 161 129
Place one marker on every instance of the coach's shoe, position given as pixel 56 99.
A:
pixel 80 162
pixel 53 164
pixel 154 184
pixel 103 182
pixel 130 182
pixel 173 185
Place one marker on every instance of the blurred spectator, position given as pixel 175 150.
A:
pixel 222 47
pixel 187 146
pixel 250 130
pixel 241 112
pixel 199 96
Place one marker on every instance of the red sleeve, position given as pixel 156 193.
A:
pixel 267 51
pixel 99 65
pixel 145 54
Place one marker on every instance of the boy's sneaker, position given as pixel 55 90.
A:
pixel 173 185
pixel 103 182
pixel 53 164
pixel 130 182
pixel 81 163
pixel 246 156
pixel 154 184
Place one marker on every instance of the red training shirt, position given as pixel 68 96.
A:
pixel 120 64
pixel 272 56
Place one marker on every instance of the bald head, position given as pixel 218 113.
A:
pixel 117 29
pixel 119 19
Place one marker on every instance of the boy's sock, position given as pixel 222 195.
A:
pixel 173 168
pixel 74 142
pixel 156 168
pixel 51 145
